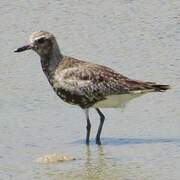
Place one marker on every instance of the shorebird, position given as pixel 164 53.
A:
pixel 85 84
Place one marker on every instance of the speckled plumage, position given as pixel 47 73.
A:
pixel 83 83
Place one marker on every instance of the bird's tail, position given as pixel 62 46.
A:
pixel 160 87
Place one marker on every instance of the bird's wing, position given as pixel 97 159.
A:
pixel 92 81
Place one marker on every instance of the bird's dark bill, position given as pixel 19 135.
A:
pixel 23 48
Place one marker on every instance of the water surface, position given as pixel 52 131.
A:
pixel 140 39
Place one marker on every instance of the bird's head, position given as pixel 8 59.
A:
pixel 41 42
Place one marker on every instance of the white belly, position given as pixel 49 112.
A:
pixel 116 101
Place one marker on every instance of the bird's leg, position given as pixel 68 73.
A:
pixel 102 118
pixel 88 127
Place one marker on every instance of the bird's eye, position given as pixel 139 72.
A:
pixel 41 40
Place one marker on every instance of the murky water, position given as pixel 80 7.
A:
pixel 138 38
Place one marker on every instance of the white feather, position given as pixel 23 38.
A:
pixel 117 101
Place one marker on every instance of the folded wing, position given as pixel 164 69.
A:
pixel 94 83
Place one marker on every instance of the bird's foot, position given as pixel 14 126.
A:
pixel 98 141
pixel 87 142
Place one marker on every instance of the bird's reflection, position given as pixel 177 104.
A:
pixel 96 165
pixel 106 162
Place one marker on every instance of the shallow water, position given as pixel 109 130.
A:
pixel 138 38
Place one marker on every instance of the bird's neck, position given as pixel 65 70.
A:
pixel 51 61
